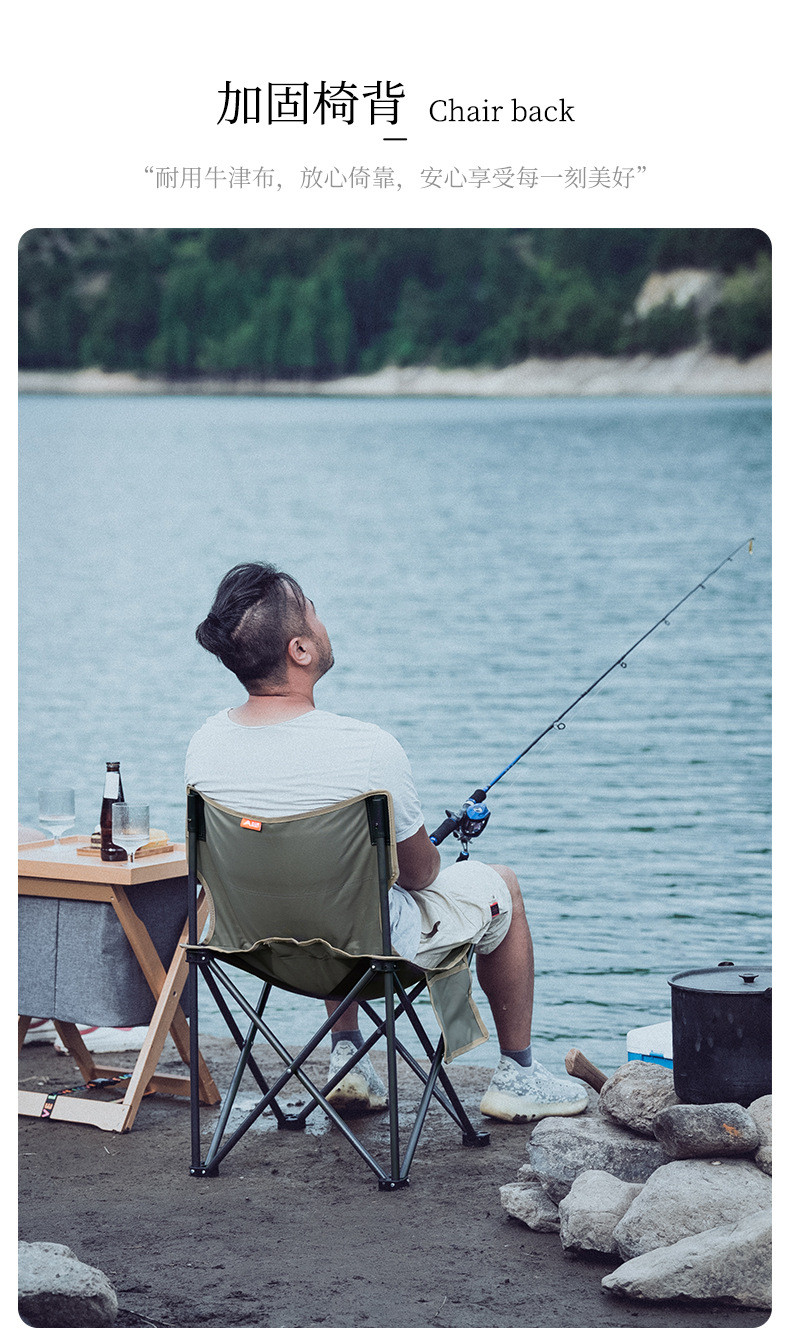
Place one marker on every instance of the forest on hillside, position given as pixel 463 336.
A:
pixel 317 303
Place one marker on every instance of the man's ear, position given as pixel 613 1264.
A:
pixel 300 651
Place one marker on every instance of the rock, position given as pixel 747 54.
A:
pixel 764 1159
pixel 56 1290
pixel 530 1204
pixel 690 1196
pixel 561 1147
pixel 709 1130
pixel 592 1209
pixel 636 1093
pixel 760 1111
pixel 730 1263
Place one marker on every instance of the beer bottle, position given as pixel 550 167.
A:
pixel 113 791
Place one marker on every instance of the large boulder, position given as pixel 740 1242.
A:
pixel 592 1209
pixel 760 1111
pixel 730 1263
pixel 690 1196
pixel 562 1147
pixel 636 1093
pixel 709 1130
pixel 56 1290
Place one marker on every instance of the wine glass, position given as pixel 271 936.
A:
pixel 56 810
pixel 130 826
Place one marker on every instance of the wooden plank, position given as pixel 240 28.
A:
pixel 151 1051
pixel 70 1036
pixel 167 1006
pixel 70 868
pixel 105 1115
pixel 64 889
pixel 171 1084
pixel 174 1085
pixel 208 1092
pixel 179 1028
pixel 137 934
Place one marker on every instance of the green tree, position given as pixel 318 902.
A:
pixel 126 316
pixel 300 349
pixel 665 329
pixel 720 248
pixel 741 323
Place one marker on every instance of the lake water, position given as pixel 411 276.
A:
pixel 477 563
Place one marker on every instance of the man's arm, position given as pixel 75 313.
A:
pixel 419 861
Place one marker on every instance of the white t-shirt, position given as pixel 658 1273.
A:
pixel 302 764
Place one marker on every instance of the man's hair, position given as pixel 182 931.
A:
pixel 257 611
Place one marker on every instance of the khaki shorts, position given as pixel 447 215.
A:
pixel 468 903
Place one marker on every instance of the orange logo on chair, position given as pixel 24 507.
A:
pixel 250 824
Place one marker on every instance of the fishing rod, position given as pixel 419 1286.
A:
pixel 470 821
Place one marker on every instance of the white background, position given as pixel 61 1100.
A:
pixel 693 90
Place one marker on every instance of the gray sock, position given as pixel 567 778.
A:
pixel 522 1057
pixel 347 1035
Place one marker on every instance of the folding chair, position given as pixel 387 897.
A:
pixel 302 903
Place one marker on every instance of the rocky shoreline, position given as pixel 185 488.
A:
pixel 679 1194
pixel 695 373
pixel 294 1233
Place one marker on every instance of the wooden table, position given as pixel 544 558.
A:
pixel 47 870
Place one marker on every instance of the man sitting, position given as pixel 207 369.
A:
pixel 278 755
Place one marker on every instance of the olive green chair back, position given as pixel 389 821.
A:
pixel 301 901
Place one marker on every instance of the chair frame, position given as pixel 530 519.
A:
pixel 398 1000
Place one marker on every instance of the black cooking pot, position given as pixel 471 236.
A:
pixel 721 1033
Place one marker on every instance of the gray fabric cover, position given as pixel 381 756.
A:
pixel 295 900
pixel 76 965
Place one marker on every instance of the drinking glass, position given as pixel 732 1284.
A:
pixel 130 826
pixel 56 810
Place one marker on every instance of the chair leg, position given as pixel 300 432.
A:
pixel 194 1077
pixel 241 1065
pixel 209 1167
pixel 422 1110
pixel 293 1068
pixel 451 1102
pixel 396 1002
pixel 241 1042
pixel 471 1137
pixel 398 1176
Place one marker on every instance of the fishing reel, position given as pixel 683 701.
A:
pixel 466 824
pixel 474 818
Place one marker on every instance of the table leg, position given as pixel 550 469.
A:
pixel 24 1023
pixel 167 1016
pixel 71 1038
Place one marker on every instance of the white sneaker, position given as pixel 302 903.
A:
pixel 360 1090
pixel 527 1093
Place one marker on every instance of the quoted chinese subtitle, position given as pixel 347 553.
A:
pixel 237 178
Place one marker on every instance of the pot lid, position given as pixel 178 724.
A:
pixel 738 978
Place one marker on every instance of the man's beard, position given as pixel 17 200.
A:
pixel 326 659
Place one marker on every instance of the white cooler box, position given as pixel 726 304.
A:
pixel 652 1043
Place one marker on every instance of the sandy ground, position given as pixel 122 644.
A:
pixel 692 372
pixel 294 1232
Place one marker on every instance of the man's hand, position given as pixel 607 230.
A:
pixel 419 861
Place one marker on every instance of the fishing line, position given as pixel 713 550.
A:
pixel 474 815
